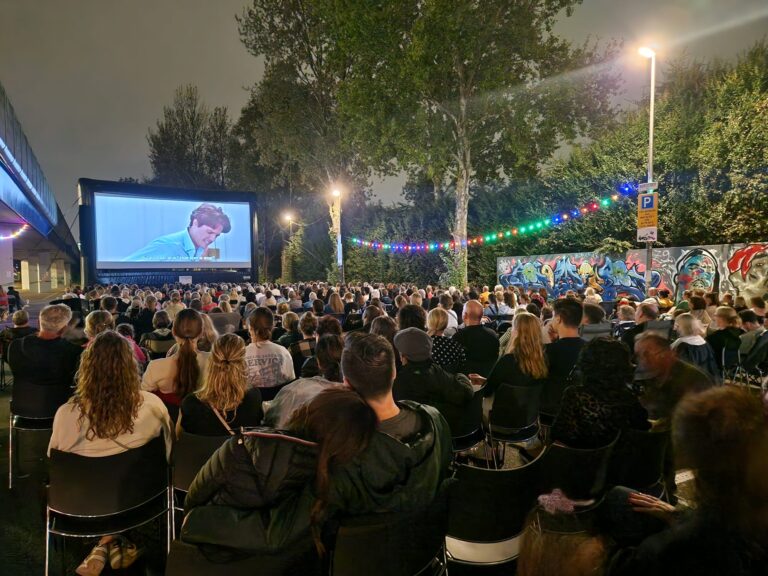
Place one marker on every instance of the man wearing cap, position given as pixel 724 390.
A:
pixel 421 380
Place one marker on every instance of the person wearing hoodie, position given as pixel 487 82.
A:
pixel 691 347
pixel 727 336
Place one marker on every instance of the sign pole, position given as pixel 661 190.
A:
pixel 652 189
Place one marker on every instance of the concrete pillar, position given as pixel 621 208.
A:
pixel 30 275
pixel 44 272
pixel 54 274
pixel 6 258
pixel 62 273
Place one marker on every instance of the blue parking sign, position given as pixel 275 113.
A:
pixel 648 201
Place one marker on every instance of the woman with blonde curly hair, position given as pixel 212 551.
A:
pixel 223 403
pixel 523 362
pixel 108 415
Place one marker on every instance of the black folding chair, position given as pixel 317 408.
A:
pixel 90 497
pixel 190 453
pixel 754 366
pixel 32 409
pixel 591 331
pixel 579 472
pixel 487 512
pixel 731 362
pixel 514 417
pixel 468 431
pixel 396 544
pixel 640 465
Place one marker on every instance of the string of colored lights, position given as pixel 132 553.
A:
pixel 526 229
pixel 15 234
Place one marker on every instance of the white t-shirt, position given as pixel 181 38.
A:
pixel 269 364
pixel 453 324
pixel 69 435
pixel 161 373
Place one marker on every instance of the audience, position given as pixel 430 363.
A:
pixel 727 336
pixel 126 331
pixel 108 415
pixel 174 377
pixel 644 313
pixel 98 322
pixel 46 358
pixel 594 411
pixel 446 352
pixel 224 403
pixel 304 348
pixel 481 344
pixel 268 363
pixel 523 362
pixel 722 437
pixel 422 380
pixel 753 329
pixel 411 316
pixel 291 327
pixel 561 353
pixel 20 329
pixel 666 378
pixel 691 347
pixel 302 391
pixel 160 340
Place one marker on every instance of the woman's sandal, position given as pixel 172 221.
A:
pixel 123 553
pixel 94 563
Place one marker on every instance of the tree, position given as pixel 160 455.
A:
pixel 466 91
pixel 298 131
pixel 191 145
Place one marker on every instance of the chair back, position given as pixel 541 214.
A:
pixel 730 359
pixel 579 472
pixel 491 505
pixel 102 486
pixel 393 544
pixel 591 331
pixel 158 347
pixel 515 407
pixel 190 453
pixel 642 458
pixel 663 328
pixel 38 401
pixel 471 417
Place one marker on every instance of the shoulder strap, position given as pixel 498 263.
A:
pixel 222 420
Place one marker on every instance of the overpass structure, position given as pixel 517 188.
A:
pixel 33 229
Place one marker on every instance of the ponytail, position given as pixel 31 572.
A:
pixel 187 328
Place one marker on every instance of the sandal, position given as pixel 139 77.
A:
pixel 123 553
pixel 94 563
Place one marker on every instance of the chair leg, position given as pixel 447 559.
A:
pixel 47 538
pixel 10 451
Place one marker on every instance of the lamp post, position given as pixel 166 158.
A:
pixel 649 53
pixel 336 193
pixel 286 264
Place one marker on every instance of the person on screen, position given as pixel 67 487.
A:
pixel 206 223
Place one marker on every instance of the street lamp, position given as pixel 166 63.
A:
pixel 649 53
pixel 336 193
pixel 288 217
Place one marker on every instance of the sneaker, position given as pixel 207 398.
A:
pixel 94 563
pixel 123 553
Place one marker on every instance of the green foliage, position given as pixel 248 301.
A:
pixel 191 146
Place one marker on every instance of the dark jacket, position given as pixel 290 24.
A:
pixel 725 339
pixel 428 383
pixel 391 476
pixel 701 356
pixel 254 494
pixel 482 348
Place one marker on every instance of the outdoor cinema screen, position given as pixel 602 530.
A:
pixel 142 232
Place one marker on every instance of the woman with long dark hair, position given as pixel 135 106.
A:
pixel 594 411
pixel 292 477
pixel 174 377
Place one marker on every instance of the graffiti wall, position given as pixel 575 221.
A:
pixel 737 268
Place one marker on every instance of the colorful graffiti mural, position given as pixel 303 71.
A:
pixel 738 268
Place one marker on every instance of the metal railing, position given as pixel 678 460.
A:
pixel 17 154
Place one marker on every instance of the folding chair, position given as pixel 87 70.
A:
pixel 641 464
pixel 190 453
pixel 514 417
pixel 487 512
pixel 579 472
pixel 395 544
pixel 90 497
pixel 468 432
pixel 32 409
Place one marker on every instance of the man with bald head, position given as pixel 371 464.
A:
pixel 481 344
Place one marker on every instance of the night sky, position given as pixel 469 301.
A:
pixel 89 77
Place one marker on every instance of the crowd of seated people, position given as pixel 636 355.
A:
pixel 365 383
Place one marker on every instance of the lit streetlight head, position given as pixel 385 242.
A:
pixel 336 192
pixel 288 217
pixel 646 52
